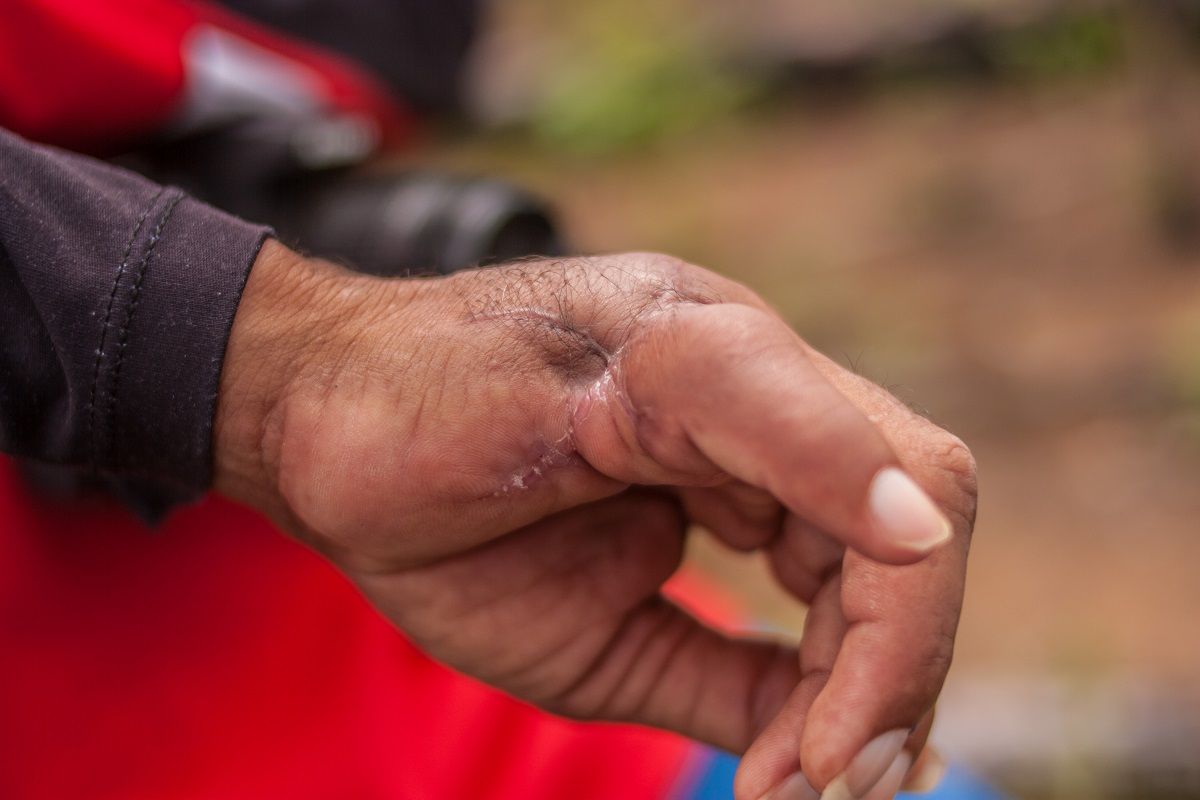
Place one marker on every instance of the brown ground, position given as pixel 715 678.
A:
pixel 996 257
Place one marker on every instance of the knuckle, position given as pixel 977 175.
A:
pixel 664 264
pixel 931 661
pixel 958 460
pixel 956 464
pixel 664 278
pixel 935 662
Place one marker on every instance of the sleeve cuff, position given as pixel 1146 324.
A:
pixel 166 325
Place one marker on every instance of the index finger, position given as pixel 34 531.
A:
pixel 900 621
pixel 889 669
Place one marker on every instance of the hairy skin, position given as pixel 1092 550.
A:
pixel 507 462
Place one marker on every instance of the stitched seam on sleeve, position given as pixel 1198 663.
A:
pixel 123 333
pixel 112 297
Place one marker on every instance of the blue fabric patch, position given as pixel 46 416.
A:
pixel 710 777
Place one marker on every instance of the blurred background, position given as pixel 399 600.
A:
pixel 992 208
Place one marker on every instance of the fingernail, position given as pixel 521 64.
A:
pixel 928 777
pixel 794 787
pixel 890 783
pixel 836 790
pixel 867 768
pixel 905 512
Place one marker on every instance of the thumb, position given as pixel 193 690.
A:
pixel 713 390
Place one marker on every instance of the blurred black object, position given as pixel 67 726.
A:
pixel 416 221
pixel 417 48
pixel 311 179
pixel 309 175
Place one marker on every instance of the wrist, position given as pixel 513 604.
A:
pixel 258 366
pixel 296 317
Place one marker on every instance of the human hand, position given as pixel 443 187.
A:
pixel 506 462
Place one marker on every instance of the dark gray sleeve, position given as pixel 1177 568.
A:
pixel 116 301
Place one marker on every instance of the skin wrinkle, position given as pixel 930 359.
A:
pixel 463 605
pixel 552 322
pixel 522 665
pixel 593 671
pixel 572 346
pixel 765 700
pixel 655 618
pixel 580 566
pixel 670 641
pixel 608 386
pixel 572 699
pixel 575 343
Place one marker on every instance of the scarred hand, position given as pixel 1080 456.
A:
pixel 507 462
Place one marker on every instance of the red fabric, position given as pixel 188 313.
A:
pixel 214 658
pixel 343 85
pixel 96 76
pixel 75 72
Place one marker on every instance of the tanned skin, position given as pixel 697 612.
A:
pixel 507 463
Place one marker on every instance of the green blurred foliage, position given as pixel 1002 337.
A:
pixel 622 74
pixel 629 74
pixel 1065 45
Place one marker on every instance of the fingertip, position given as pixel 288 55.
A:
pixel 832 752
pixel 904 516
pixel 795 787
pixel 887 786
pixel 875 772
pixel 926 775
